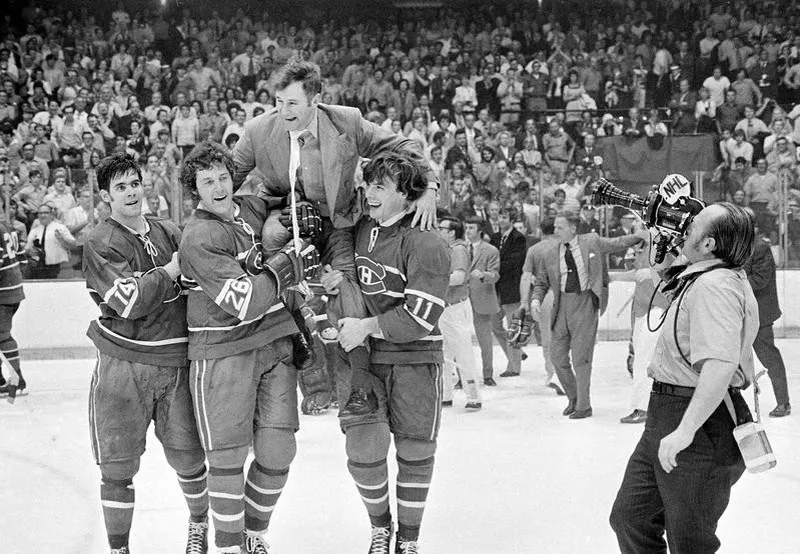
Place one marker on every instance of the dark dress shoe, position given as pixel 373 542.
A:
pixel 447 403
pixel 570 409
pixel 473 406
pixel 489 382
pixel 581 414
pixel 509 374
pixel 523 356
pixel 781 410
pixel 360 402
pixel 637 416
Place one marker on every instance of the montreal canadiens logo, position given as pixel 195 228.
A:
pixel 370 275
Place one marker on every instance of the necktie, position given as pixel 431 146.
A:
pixel 44 234
pixel 471 252
pixel 503 241
pixel 250 67
pixel 573 281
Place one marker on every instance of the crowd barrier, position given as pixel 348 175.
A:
pixel 52 320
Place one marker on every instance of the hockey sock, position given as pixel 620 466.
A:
pixel 226 499
pixel 413 482
pixel 264 487
pixel 117 498
pixel 195 490
pixel 372 480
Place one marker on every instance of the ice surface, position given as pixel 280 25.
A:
pixel 516 477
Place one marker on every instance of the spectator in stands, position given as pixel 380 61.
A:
pixel 683 104
pixel 48 245
pixel 730 112
pixel 761 192
pixel 558 149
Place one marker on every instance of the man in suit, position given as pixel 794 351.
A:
pixel 512 247
pixel 576 272
pixel 312 149
pixel 479 207
pixel 761 274
pixel 682 104
pixel 484 273
pixel 534 259
pixel 633 126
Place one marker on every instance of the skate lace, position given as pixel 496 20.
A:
pixel 380 540
pixel 197 542
pixel 121 550
pixel 256 545
pixel 407 547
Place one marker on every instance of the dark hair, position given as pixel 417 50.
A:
pixel 114 166
pixel 455 225
pixel 486 193
pixel 402 168
pixel 474 220
pixel 548 226
pixel 734 234
pixel 298 71
pixel 204 156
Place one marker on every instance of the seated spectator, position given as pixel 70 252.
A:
pixel 655 126
pixel 736 147
pixel 752 126
pixel 486 169
pixel 779 130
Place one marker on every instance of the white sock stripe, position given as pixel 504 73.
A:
pixel 194 480
pixel 264 491
pixel 259 507
pixel 226 517
pixel 383 498
pixel 226 495
pixel 117 505
pixel 414 485
pixel 408 504
pixel 198 495
pixel 372 487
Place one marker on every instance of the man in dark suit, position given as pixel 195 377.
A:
pixel 458 153
pixel 761 274
pixel 633 125
pixel 577 274
pixel 479 207
pixel 484 273
pixel 682 105
pixel 512 247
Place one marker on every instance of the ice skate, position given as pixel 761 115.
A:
pixel 197 543
pixel 406 547
pixel 381 540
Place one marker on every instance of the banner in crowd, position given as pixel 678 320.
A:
pixel 639 163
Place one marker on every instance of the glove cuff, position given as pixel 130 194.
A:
pixel 281 267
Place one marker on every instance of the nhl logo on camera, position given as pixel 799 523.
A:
pixel 674 187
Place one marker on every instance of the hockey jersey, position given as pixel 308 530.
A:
pixel 142 312
pixel 233 306
pixel 403 273
pixel 10 272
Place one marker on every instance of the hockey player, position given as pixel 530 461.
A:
pixel 403 274
pixel 11 295
pixel 131 267
pixel 243 378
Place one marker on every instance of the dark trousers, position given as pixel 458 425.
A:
pixel 575 331
pixel 769 355
pixel 686 503
pixel 483 331
pixel 513 354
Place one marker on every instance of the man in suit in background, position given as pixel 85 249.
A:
pixel 484 273
pixel 479 207
pixel 633 125
pixel 761 274
pixel 577 274
pixel 512 247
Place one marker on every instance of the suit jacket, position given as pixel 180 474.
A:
pixel 512 257
pixel 482 293
pixel 593 248
pixel 343 136
pixel 760 271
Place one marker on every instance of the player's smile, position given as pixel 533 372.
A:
pixel 215 188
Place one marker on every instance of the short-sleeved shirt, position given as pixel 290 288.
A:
pixel 459 261
pixel 717 319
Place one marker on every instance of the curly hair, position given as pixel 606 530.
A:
pixel 114 166
pixel 203 156
pixel 402 168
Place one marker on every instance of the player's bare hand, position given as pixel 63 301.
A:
pixel 425 213
pixel 331 279
pixel 477 274
pixel 672 445
pixel 352 332
pixel 173 268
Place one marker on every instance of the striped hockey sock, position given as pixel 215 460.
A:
pixel 263 488
pixel 195 491
pixel 413 482
pixel 372 480
pixel 117 498
pixel 226 500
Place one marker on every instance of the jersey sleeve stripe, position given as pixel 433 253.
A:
pixel 426 296
pixel 106 330
pixel 424 324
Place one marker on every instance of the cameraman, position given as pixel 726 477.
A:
pixel 680 475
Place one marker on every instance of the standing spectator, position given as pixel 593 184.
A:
pixel 80 220
pixel 705 113
pixel 484 273
pixel 59 194
pixel 458 153
pixel 761 192
pixel 509 91
pixel 68 132
pixel 558 149
pixel 737 147
pixel 577 274
pixel 486 92
pixel 745 90
pixel 455 321
pixel 48 245
pixel 185 130
pixel 512 247
pixel 729 113
pixel 31 195
pixel 682 104
pixel 760 269
pixel 765 75
pixel 717 84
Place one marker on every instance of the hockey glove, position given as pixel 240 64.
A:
pixel 289 268
pixel 520 329
pixel 309 221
